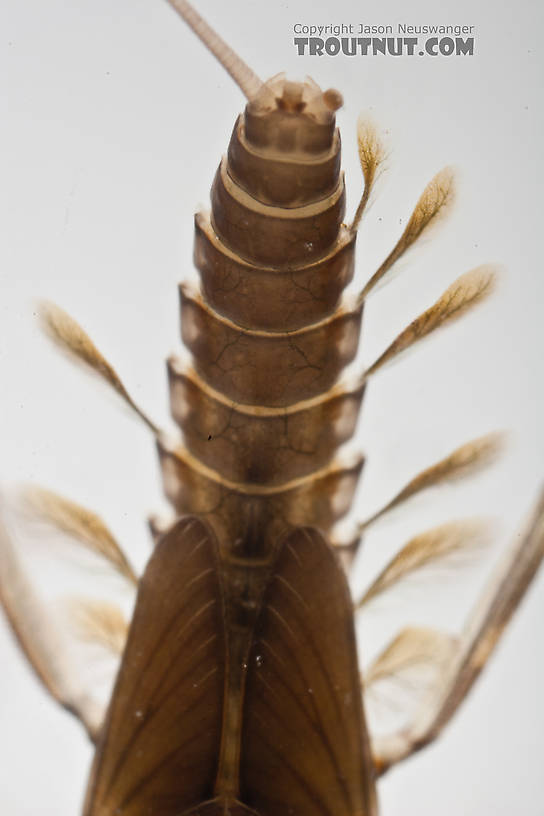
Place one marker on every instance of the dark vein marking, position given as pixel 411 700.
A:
pixel 310 792
pixel 333 692
pixel 132 737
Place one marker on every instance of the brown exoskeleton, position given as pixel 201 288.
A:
pixel 262 420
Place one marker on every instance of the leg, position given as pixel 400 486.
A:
pixel 40 641
pixel 484 628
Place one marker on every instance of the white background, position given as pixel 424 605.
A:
pixel 115 118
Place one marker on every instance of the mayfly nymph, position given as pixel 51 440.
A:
pixel 239 689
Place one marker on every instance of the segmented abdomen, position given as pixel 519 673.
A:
pixel 260 412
